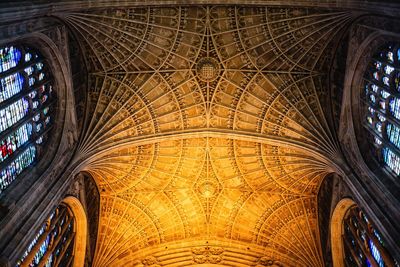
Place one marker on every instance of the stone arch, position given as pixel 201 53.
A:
pixel 337 230
pixel 81 229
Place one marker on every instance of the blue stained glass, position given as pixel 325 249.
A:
pixel 38 127
pixel 378 65
pixel 42 250
pixel 386 80
pixel 39 66
pixel 378 236
pixel 14 134
pixel 375 253
pixel 29 70
pixel 49 261
pixel 390 56
pixel 32 94
pixel 11 85
pixel 39 140
pixel 13 113
pixel 365 218
pixel 384 94
pixel 378 126
pixel 31 81
pixel 393 133
pixel 32 244
pixel 389 69
pixel 36 117
pixel 394 107
pixel 376 76
pixel 398 54
pixel 392 160
pixel 9 58
pixel 363 236
pixel 9 173
pixel 381 117
pixel 372 97
pixel 378 141
pixel 28 56
pixel 375 88
pixel 35 104
pixel 51 240
pixel 371 110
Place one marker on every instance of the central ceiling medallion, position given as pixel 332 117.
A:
pixel 207 69
pixel 207 189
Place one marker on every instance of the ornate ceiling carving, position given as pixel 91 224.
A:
pixel 205 132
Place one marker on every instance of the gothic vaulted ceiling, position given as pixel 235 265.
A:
pixel 205 132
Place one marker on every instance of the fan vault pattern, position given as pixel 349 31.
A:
pixel 205 132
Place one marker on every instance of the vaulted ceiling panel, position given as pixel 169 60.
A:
pixel 205 132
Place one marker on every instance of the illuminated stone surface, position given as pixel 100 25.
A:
pixel 206 131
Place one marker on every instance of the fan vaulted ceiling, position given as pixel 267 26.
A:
pixel 206 133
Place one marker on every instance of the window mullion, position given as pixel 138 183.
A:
pixel 361 245
pixel 54 242
pixel 26 119
pixel 351 249
pixel 65 248
pixel 51 224
pixel 21 66
pixel 388 261
pixel 28 260
pixel 22 94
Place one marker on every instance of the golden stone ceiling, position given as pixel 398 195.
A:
pixel 205 132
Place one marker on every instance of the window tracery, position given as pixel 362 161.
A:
pixel 363 244
pixel 54 243
pixel 26 103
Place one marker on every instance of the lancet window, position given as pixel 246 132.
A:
pixel 26 105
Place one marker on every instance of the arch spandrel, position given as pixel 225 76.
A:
pixel 206 123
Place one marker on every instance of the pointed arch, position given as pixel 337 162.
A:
pixel 337 230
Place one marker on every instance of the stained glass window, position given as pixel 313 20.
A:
pixel 54 242
pixel 363 245
pixel 382 97
pixel 26 102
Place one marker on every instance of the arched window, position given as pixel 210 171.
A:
pixel 362 243
pixel 26 103
pixel 382 95
pixel 53 244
